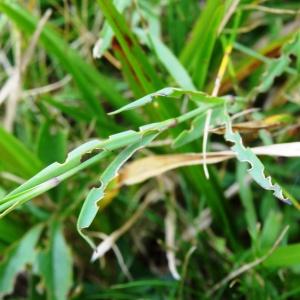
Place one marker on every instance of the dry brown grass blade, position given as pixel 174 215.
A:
pixel 254 126
pixel 228 15
pixel 117 253
pixel 48 88
pixel 152 166
pixel 170 236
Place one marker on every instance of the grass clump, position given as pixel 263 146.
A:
pixel 148 149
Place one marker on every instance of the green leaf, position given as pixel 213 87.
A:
pixel 246 197
pixel 10 230
pixel 20 254
pixel 91 204
pixel 168 59
pixel 278 66
pixel 196 130
pixel 274 69
pixel 51 145
pixel 197 97
pixel 244 154
pixel 15 157
pixel 284 256
pixel 271 229
pixel 50 177
pixel 196 55
pixel 55 265
pixel 76 158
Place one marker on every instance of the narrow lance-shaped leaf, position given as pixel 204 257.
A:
pixel 246 196
pixel 168 59
pixel 197 97
pixel 91 204
pixel 278 66
pixel 22 253
pixel 9 203
pixel 197 53
pixel 15 157
pixel 55 265
pixel 271 228
pixel 243 154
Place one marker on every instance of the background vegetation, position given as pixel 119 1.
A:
pixel 194 232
